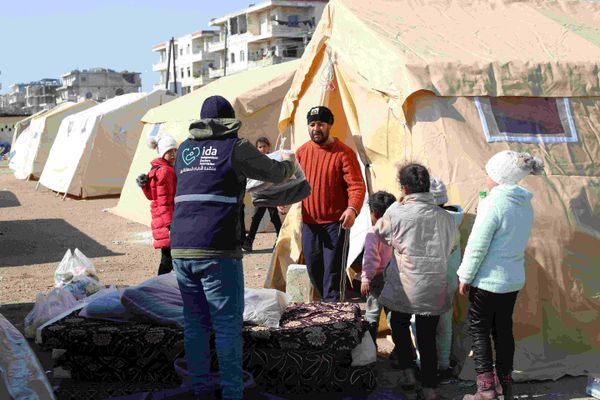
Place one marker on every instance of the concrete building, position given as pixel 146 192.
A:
pixel 98 84
pixel 15 98
pixel 268 33
pixel 192 62
pixel 41 95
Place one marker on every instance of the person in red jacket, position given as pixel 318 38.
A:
pixel 159 187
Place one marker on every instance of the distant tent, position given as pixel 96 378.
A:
pixel 449 84
pixel 31 149
pixel 23 124
pixel 256 96
pixel 94 148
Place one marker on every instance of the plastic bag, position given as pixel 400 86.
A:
pixel 21 374
pixel 73 266
pixel 47 306
pixel 264 306
pixel 83 286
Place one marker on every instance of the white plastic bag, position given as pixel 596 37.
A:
pixel 72 266
pixel 47 306
pixel 264 306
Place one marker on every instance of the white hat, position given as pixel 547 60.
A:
pixel 162 144
pixel 509 167
pixel 438 190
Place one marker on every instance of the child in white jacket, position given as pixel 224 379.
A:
pixel 493 268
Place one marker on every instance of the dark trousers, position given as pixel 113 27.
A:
pixel 405 350
pixel 166 262
pixel 259 212
pixel 491 313
pixel 322 245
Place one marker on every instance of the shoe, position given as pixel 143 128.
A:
pixel 486 388
pixel 407 379
pixel 445 376
pixel 247 246
pixel 503 385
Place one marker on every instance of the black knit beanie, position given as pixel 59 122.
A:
pixel 320 113
pixel 216 107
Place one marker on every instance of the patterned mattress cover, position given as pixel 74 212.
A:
pixel 312 326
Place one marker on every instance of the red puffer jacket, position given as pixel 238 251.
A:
pixel 160 189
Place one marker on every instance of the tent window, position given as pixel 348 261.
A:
pixel 526 119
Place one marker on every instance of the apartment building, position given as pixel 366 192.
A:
pixel 15 98
pixel 192 62
pixel 41 95
pixel 98 84
pixel 263 34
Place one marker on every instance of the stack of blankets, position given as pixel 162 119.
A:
pixel 309 352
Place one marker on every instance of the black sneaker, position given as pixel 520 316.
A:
pixel 445 376
pixel 247 246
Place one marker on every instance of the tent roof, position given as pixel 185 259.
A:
pixel 249 89
pixel 111 105
pixel 462 48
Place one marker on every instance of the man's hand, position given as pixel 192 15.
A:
pixel 463 288
pixel 365 288
pixel 288 156
pixel 282 210
pixel 347 218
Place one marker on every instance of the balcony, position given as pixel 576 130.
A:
pixel 160 85
pixel 215 73
pixel 202 79
pixel 265 62
pixel 159 66
pixel 216 46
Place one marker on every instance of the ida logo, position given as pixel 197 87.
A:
pixel 209 151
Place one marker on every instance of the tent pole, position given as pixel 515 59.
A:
pixel 37 185
pixel 65 195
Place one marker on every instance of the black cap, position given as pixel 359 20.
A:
pixel 216 107
pixel 320 113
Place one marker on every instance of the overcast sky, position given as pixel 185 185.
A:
pixel 45 39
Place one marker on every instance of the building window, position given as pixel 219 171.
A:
pixel 293 20
pixel 241 55
pixel 242 24
pixel 181 52
pixel 182 73
pixel 187 50
pixel 526 119
pixel 232 58
pixel 233 26
pixel 189 72
pixel 83 79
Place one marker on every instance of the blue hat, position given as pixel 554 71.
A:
pixel 216 107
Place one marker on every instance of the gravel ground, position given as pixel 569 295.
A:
pixel 36 229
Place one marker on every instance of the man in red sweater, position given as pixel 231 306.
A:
pixel 338 191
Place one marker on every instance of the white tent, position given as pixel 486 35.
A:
pixel 32 147
pixel 93 150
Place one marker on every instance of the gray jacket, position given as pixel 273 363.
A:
pixel 422 235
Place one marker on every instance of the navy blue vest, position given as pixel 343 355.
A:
pixel 207 205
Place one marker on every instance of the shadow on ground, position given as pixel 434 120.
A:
pixel 41 241
pixel 8 199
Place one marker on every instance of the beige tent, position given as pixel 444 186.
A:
pixel 256 96
pixel 31 149
pixel 93 149
pixel 21 125
pixel 449 84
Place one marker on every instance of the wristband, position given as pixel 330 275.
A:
pixel 353 209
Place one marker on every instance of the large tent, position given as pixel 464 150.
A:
pixel 93 149
pixel 449 84
pixel 256 96
pixel 31 148
pixel 22 125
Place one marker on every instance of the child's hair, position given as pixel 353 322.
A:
pixel 263 140
pixel 414 177
pixel 380 201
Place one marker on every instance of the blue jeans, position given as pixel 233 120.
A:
pixel 213 297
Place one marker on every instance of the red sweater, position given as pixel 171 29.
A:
pixel 335 179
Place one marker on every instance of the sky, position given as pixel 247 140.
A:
pixel 45 39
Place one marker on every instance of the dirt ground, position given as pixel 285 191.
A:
pixel 37 227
